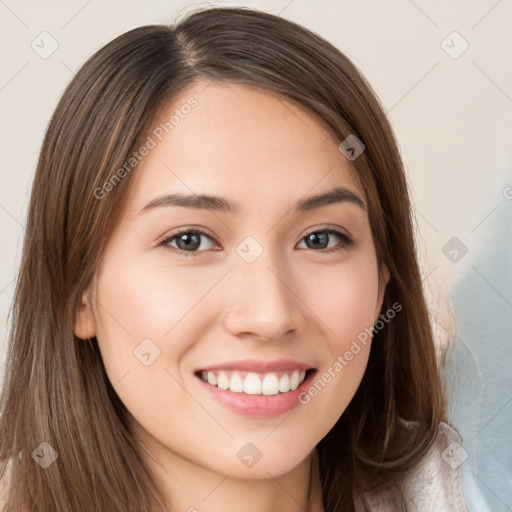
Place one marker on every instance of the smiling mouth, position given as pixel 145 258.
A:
pixel 255 383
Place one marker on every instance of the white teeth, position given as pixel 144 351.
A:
pixel 254 383
pixel 284 383
pixel 222 381
pixel 270 384
pixel 294 381
pixel 212 379
pixel 236 384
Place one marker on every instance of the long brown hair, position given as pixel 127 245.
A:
pixel 56 390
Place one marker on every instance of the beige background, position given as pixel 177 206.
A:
pixel 453 120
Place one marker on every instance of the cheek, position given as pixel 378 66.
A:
pixel 345 300
pixel 139 301
pixel 146 323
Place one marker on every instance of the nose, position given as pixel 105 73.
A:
pixel 262 301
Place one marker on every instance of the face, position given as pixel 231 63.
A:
pixel 261 293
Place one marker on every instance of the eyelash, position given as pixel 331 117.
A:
pixel 346 243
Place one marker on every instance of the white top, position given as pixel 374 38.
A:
pixel 435 485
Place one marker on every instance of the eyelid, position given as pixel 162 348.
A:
pixel 186 229
pixel 327 227
pixel 347 239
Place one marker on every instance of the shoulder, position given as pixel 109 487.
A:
pixel 435 484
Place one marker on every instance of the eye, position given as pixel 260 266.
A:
pixel 320 240
pixel 188 242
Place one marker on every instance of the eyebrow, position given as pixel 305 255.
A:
pixel 220 204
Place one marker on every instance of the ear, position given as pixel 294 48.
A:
pixel 85 325
pixel 384 277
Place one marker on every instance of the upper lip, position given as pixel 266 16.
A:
pixel 253 365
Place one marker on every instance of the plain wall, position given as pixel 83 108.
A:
pixel 453 121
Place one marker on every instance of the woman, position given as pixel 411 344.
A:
pixel 219 305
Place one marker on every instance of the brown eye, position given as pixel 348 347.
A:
pixel 186 242
pixel 320 240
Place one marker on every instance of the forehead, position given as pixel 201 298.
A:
pixel 239 142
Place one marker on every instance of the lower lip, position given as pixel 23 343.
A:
pixel 258 405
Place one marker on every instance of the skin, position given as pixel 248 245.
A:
pixel 294 301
